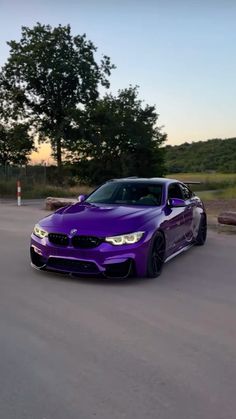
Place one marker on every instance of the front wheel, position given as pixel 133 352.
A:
pixel 156 256
pixel 202 232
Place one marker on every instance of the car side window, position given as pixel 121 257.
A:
pixel 187 194
pixel 174 191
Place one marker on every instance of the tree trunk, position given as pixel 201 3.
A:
pixel 58 152
pixel 59 159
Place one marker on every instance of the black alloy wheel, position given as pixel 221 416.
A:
pixel 202 232
pixel 156 256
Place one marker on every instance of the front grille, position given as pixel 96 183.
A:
pixel 85 242
pixel 72 265
pixel 59 239
pixel 80 242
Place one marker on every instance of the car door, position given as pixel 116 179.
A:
pixel 175 228
pixel 188 212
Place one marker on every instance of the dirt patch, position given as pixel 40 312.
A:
pixel 216 206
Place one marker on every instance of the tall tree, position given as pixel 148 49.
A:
pixel 15 144
pixel 48 74
pixel 118 136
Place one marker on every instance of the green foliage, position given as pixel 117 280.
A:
pixel 51 81
pixel 118 137
pixel 15 144
pixel 49 74
pixel 212 155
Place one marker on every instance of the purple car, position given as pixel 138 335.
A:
pixel 125 227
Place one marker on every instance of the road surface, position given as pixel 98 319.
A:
pixel 137 349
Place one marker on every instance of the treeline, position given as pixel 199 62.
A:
pixel 50 90
pixel 202 156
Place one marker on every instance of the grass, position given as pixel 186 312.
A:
pixel 205 177
pixel 222 194
pixel 29 191
pixel 217 190
pixel 213 186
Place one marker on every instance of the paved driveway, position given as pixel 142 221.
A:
pixel 137 349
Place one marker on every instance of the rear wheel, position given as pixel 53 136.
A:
pixel 202 232
pixel 156 256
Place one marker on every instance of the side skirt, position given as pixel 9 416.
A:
pixel 184 249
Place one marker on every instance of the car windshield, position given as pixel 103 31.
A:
pixel 127 193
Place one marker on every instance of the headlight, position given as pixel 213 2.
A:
pixel 125 238
pixel 39 232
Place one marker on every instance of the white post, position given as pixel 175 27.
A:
pixel 18 193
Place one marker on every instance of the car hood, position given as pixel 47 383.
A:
pixel 97 219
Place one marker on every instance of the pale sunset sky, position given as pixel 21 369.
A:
pixel 182 54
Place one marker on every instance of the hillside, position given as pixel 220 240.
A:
pixel 202 156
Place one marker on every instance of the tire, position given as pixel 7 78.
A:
pixel 156 256
pixel 202 232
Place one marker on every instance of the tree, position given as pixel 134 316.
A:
pixel 15 144
pixel 48 74
pixel 117 137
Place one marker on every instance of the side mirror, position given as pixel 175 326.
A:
pixel 82 198
pixel 176 202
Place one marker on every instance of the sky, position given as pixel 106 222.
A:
pixel 182 54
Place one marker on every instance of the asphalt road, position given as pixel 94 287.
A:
pixel 137 349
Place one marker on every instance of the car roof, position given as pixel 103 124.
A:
pixel 160 180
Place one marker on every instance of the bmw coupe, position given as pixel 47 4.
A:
pixel 125 227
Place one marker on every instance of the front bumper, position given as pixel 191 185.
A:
pixel 106 260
